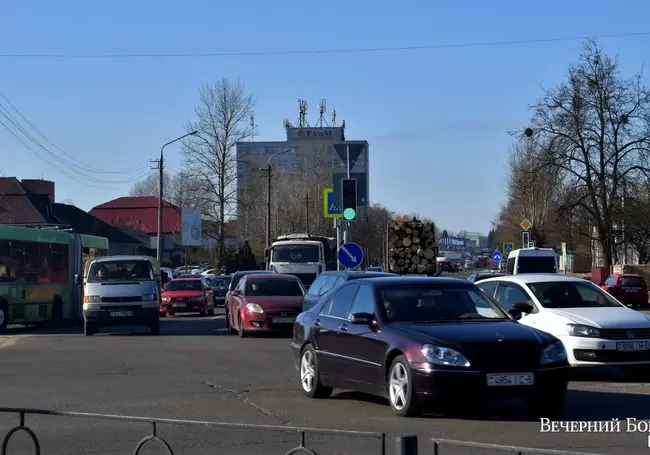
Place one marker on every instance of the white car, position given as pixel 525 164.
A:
pixel 595 328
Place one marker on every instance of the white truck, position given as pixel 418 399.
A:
pixel 302 255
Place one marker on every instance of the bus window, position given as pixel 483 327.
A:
pixel 32 264
pixel 59 263
pixel 18 259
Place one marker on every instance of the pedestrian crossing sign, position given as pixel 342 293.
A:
pixel 508 247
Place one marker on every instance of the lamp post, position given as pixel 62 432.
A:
pixel 160 194
pixel 268 195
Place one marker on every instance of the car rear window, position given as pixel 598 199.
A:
pixel 536 264
pixel 631 281
pixel 275 287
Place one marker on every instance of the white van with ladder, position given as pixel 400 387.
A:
pixel 532 260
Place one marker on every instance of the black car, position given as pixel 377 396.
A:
pixel 419 339
pixel 448 266
pixel 219 285
pixel 327 281
pixel 476 277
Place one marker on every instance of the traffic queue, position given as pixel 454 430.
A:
pixel 432 342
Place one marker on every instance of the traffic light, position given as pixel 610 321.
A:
pixel 349 187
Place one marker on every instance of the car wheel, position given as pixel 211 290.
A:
pixel 155 327
pixel 163 315
pixel 310 376
pixel 4 316
pixel 546 405
pixel 90 328
pixel 401 397
pixel 240 329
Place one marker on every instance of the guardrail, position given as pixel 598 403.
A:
pixel 154 438
pixel 404 444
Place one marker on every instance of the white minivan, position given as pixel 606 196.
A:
pixel 121 290
pixel 531 260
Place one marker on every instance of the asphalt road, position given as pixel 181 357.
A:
pixel 194 370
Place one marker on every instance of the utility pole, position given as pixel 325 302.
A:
pixel 307 212
pixel 268 195
pixel 161 176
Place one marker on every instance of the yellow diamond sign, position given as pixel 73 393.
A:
pixel 525 225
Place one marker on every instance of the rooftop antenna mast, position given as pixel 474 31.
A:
pixel 253 127
pixel 302 114
pixel 322 108
pixel 333 118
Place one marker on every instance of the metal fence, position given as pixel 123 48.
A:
pixel 153 437
pixel 404 444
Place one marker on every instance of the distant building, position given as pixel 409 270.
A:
pixel 307 148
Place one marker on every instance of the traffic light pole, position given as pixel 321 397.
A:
pixel 346 233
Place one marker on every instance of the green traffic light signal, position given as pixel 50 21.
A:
pixel 349 214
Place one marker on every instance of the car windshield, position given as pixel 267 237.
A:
pixel 238 276
pixel 631 281
pixel 571 294
pixel 219 281
pixel 296 253
pixel 111 271
pixel 425 303
pixel 184 285
pixel 274 287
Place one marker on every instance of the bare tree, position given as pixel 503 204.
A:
pixel 596 124
pixel 181 190
pixel 636 219
pixel 221 120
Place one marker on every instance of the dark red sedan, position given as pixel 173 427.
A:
pixel 423 341
pixel 264 303
pixel 188 295
pixel 627 288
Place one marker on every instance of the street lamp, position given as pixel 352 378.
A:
pixel 160 195
pixel 268 195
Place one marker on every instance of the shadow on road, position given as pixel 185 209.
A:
pixel 579 405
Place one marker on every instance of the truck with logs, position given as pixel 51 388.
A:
pixel 412 248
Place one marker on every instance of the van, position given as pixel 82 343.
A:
pixel 122 290
pixel 531 260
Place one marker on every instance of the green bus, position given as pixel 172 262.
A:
pixel 39 274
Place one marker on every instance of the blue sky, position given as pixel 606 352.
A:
pixel 436 119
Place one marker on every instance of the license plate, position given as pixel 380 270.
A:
pixel 633 346
pixel 508 380
pixel 178 305
pixel 283 320
pixel 121 314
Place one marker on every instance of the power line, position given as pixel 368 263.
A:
pixel 326 51
pixel 84 167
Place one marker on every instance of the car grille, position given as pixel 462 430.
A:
pixel 135 298
pixel 622 334
pixel 505 357
pixel 219 293
pixel 306 278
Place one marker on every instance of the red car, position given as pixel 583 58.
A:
pixel 188 295
pixel 627 288
pixel 264 303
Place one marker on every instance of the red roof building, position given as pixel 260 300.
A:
pixel 139 213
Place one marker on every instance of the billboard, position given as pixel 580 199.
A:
pixel 455 241
pixel 191 233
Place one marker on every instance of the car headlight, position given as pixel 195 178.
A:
pixel 148 297
pixel 166 299
pixel 92 299
pixel 553 353
pixel 444 356
pixel 254 308
pixel 578 330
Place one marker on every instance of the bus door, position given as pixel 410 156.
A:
pixel 75 269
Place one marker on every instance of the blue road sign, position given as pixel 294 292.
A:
pixel 508 247
pixel 350 255
pixel 497 257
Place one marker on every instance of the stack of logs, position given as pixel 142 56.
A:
pixel 412 247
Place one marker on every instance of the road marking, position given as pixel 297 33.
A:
pixel 5 342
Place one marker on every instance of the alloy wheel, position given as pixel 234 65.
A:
pixel 398 388
pixel 307 371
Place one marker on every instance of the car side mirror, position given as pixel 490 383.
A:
pixel 515 313
pixel 362 318
pixel 523 307
pixel 77 278
pixel 266 252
